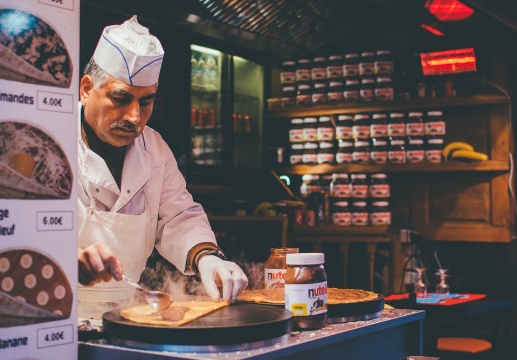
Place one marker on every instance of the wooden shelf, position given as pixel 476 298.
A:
pixel 398 105
pixel 336 230
pixel 452 166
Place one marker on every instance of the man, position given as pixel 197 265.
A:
pixel 132 197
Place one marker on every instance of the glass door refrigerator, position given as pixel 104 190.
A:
pixel 226 109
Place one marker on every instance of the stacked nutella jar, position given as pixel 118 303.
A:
pixel 312 141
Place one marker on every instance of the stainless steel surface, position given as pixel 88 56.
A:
pixel 157 300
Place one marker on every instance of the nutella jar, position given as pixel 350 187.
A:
pixel 358 186
pixel 397 125
pixel 310 153
pixel 361 154
pixel 397 151
pixel 415 151
pixel 361 127
pixel 351 65
pixel 296 131
pixel 344 127
pixel 319 68
pixel 433 151
pixel 341 214
pixel 310 184
pixel 310 129
pixel 340 187
pixel 288 99
pixel 344 154
pixel 335 92
pixel 304 95
pixel 366 90
pixel 359 213
pixel 351 91
pixel 366 63
pixel 288 73
pixel 295 157
pixel 303 70
pixel 276 267
pixel 325 130
pixel 380 213
pixel 434 123
pixel 384 89
pixel 379 151
pixel 319 94
pixel 415 125
pixel 383 63
pixel 326 153
pixel 306 290
pixel 379 126
pixel 335 67
pixel 379 187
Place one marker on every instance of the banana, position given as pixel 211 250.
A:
pixel 467 155
pixel 264 208
pixel 456 145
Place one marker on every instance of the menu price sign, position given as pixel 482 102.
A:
pixel 39 81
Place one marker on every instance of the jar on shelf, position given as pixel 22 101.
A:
pixel 383 89
pixel 366 90
pixel 325 130
pixel 397 151
pixel 351 65
pixel 361 154
pixel 304 95
pixel 344 154
pixel 397 125
pixel 358 186
pixel 379 188
pixel 310 129
pixel 361 127
pixel 310 184
pixel 359 213
pixel 296 131
pixel 335 92
pixel 296 154
pixel 319 94
pixel 303 70
pixel 383 63
pixel 380 213
pixel 326 153
pixel 341 214
pixel 366 63
pixel 433 150
pixel 415 151
pixel 415 127
pixel 344 127
pixel 434 123
pixel 288 99
pixel 310 153
pixel 379 126
pixel 319 68
pixel 379 151
pixel 275 267
pixel 288 72
pixel 335 67
pixel 340 187
pixel 351 91
pixel 306 290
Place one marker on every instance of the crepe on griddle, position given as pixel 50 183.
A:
pixel 32 164
pixel 144 314
pixel 32 51
pixel 334 296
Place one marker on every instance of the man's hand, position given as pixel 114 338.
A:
pixel 214 272
pixel 98 263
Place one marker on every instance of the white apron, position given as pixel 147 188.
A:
pixel 120 232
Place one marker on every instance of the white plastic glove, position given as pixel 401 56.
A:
pixel 215 271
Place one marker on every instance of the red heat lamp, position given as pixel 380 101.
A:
pixel 448 62
pixel 448 10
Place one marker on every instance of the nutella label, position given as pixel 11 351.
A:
pixel 306 299
pixel 365 69
pixel 397 157
pixel 380 218
pixel 415 156
pixel 310 158
pixel 344 158
pixel 350 70
pixel 325 158
pixel 397 129
pixel 380 191
pixel 287 77
pixel 304 99
pixel 295 159
pixel 334 72
pixel 435 128
pixel 359 191
pixel 296 135
pixel 342 218
pixel 434 156
pixel 319 73
pixel 287 102
pixel 380 130
pixel 351 95
pixel 361 131
pixel 325 134
pixel 344 132
pixel 274 278
pixel 310 134
pixel 335 96
pixel 359 219
pixel 319 98
pixel 341 191
pixel 383 67
pixel 362 157
pixel 415 129
pixel 384 94
pixel 303 75
pixel 366 94
pixel 379 157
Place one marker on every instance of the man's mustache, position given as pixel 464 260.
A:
pixel 126 125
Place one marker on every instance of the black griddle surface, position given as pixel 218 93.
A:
pixel 234 324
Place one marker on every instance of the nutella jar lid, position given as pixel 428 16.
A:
pixel 379 116
pixel 359 203
pixel 352 82
pixel 415 114
pixel 335 57
pixel 361 116
pixel 296 121
pixel 304 86
pixel 397 142
pixel 435 113
pixel 308 177
pixel 343 144
pixel 310 120
pixel 341 203
pixel 350 56
pixel 310 146
pixel 416 141
pixel 320 59
pixel 339 176
pixel 320 85
pixel 304 61
pixel 345 117
pixel 396 115
pixel 380 143
pixel 380 203
pixel 335 83
pixel 305 259
pixel 288 88
pixel 362 143
pixel 379 176
pixel 367 53
pixel 383 79
pixel 383 52
pixel 326 145
pixel 367 81
pixel 358 176
pixel 289 62
pixel 297 146
pixel 435 141
pixel 324 118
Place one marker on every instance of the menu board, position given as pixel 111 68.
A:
pixel 39 64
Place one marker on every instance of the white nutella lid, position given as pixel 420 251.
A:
pixel 305 259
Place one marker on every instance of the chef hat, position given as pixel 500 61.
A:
pixel 129 53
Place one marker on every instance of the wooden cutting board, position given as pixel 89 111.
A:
pixel 143 314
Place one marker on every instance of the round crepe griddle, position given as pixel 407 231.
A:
pixel 235 324
pixel 355 311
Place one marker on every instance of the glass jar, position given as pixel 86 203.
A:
pixel 310 129
pixel 379 126
pixel 319 68
pixel 288 73
pixel 397 125
pixel 383 63
pixel 340 187
pixel 296 131
pixel 310 153
pixel 379 151
pixel 319 95
pixel 366 90
pixel 335 93
pixel 415 151
pixel 275 267
pixel 306 290
pixel 351 65
pixel 326 153
pixel 335 67
pixel 359 213
pixel 359 186
pixel 361 127
pixel 344 154
pixel 384 89
pixel 344 127
pixel 325 130
pixel 361 154
pixel 415 125
pixel 379 187
pixel 366 63
pixel 295 157
pixel 434 150
pixel 341 214
pixel 310 184
pixel 380 213
pixel 288 98
pixel 397 151
pixel 304 95
pixel 351 92
pixel 303 70
pixel 434 123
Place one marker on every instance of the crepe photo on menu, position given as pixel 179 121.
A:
pixel 31 51
pixel 32 164
pixel 33 288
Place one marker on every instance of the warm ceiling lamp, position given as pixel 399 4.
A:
pixel 448 10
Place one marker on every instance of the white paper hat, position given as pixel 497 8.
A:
pixel 130 53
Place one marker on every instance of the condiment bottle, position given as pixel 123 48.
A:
pixel 306 290
pixel 275 267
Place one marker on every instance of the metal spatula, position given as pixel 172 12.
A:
pixel 157 300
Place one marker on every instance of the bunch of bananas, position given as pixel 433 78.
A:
pixel 462 151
